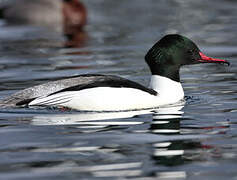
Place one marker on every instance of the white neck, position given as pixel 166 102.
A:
pixel 166 88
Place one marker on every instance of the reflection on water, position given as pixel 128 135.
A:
pixel 76 39
pixel 169 153
pixel 167 120
pixel 167 148
pixel 89 118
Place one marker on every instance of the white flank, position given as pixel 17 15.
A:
pixel 116 99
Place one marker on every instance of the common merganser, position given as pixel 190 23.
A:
pixel 93 92
pixel 68 15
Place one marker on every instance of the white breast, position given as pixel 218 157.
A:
pixel 169 91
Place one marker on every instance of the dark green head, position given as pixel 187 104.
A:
pixel 171 52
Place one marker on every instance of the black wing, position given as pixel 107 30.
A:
pixel 108 81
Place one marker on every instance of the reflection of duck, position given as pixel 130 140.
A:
pixel 69 15
pixel 89 118
pixel 166 120
pixel 75 38
pixel 112 93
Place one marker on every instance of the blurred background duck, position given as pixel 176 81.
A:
pixel 67 16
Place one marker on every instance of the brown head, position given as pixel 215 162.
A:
pixel 74 16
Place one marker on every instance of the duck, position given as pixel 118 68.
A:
pixel 102 93
pixel 66 15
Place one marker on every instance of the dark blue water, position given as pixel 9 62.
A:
pixel 195 140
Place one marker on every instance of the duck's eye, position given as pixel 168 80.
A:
pixel 190 51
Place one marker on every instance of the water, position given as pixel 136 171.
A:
pixel 192 141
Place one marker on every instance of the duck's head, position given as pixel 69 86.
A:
pixel 74 16
pixel 171 52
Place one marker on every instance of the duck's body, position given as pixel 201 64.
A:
pixel 112 93
pixel 32 12
pixel 94 92
pixel 59 14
